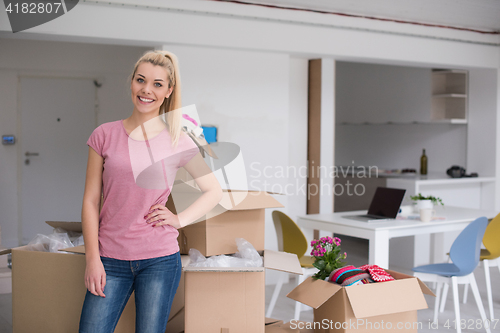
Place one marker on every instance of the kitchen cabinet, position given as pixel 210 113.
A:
pixel 449 96
pixel 381 94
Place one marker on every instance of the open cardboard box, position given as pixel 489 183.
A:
pixel 240 214
pixel 48 290
pixel 380 307
pixel 231 299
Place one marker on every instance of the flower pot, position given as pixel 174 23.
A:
pixel 423 204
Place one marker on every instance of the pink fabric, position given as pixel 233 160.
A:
pixel 340 271
pixel 136 176
pixel 377 273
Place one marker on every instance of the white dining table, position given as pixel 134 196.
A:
pixel 379 233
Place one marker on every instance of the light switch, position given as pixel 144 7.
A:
pixel 8 139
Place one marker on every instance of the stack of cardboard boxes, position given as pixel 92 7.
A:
pixel 228 299
pixel 48 288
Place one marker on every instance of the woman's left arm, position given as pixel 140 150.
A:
pixel 212 194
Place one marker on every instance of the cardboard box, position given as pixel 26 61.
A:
pixel 272 321
pixel 380 307
pixel 296 327
pixel 48 290
pixel 232 299
pixel 240 214
pixel 280 328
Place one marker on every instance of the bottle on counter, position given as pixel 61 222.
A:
pixel 423 163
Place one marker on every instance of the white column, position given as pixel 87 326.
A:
pixel 327 134
pixel 496 140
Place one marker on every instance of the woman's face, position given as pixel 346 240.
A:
pixel 149 87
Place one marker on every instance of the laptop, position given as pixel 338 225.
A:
pixel 384 206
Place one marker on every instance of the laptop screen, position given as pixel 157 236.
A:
pixel 386 202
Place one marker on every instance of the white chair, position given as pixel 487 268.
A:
pixel 464 254
pixel 490 257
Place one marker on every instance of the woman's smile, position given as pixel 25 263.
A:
pixel 145 100
pixel 149 88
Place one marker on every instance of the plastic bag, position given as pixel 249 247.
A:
pixel 246 256
pixel 50 243
pixel 248 252
pixel 78 241
pixel 74 236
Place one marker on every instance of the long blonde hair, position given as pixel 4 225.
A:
pixel 172 105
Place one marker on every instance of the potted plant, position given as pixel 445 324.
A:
pixel 424 202
pixel 326 251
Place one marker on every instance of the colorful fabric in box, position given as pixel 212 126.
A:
pixel 377 273
pixel 348 275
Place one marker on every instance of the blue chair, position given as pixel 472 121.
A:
pixel 464 254
pixel 490 257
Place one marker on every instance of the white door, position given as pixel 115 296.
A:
pixel 57 117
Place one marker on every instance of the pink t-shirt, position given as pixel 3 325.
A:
pixel 136 175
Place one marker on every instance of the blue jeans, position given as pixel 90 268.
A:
pixel 154 281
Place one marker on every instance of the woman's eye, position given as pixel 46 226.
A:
pixel 158 84
pixel 140 80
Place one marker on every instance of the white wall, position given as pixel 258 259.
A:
pixel 497 151
pixel 228 25
pixel 219 29
pixel 373 93
pixel 8 159
pixel 293 179
pixel 110 65
pixel 297 137
pixel 482 137
pixel 379 94
pixel 245 94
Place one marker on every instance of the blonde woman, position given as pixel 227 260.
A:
pixel 131 245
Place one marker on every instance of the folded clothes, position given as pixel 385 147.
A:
pixel 348 275
pixel 377 273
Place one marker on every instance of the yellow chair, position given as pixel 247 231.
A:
pixel 291 240
pixel 490 257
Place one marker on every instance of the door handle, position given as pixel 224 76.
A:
pixel 30 154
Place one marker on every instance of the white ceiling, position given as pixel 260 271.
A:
pixel 472 14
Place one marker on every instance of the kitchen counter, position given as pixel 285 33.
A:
pixel 439 178
pixel 469 192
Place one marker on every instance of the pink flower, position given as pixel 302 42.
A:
pixel 337 241
pixel 313 242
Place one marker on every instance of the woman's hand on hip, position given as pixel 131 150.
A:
pixel 95 277
pixel 159 215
